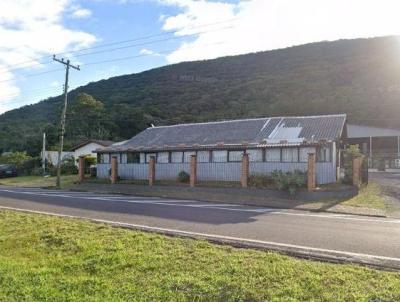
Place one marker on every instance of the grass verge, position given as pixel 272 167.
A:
pixel 45 258
pixel 39 181
pixel 370 196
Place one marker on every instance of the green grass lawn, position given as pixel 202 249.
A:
pixel 45 258
pixel 370 196
pixel 39 181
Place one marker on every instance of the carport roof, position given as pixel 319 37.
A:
pixel 357 131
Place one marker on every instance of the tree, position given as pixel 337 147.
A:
pixel 87 118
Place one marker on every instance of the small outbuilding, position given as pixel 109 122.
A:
pixel 272 143
pixel 380 145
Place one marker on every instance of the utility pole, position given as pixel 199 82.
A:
pixel 63 114
pixel 44 154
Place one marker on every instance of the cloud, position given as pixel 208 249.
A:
pixel 30 29
pixel 81 13
pixel 145 51
pixel 270 24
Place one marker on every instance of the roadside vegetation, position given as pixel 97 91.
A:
pixel 369 196
pixel 39 181
pixel 60 259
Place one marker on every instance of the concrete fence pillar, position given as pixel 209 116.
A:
pixel 114 169
pixel 311 177
pixel 81 169
pixel 193 170
pixel 356 171
pixel 245 171
pixel 152 170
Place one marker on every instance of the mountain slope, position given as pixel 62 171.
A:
pixel 359 77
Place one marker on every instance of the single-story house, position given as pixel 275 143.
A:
pixel 273 143
pixel 88 147
pixel 376 143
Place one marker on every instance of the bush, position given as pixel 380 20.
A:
pixel 68 167
pixel 260 181
pixel 183 177
pixel 88 162
pixel 289 181
pixel 348 156
pixel 24 163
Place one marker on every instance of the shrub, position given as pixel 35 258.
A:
pixel 348 156
pixel 88 162
pixel 183 177
pixel 24 163
pixel 289 181
pixel 67 167
pixel 260 181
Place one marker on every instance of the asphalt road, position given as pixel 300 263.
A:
pixel 358 237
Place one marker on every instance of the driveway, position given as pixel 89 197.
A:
pixel 390 183
pixel 324 236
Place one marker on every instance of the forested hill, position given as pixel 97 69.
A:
pixel 359 77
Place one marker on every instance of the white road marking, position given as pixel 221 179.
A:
pixel 217 206
pixel 159 202
pixel 337 253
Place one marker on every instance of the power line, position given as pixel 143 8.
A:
pixel 107 44
pixel 34 74
pixel 30 90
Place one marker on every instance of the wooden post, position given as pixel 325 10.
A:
pixel 356 171
pixel 245 171
pixel 311 179
pixel 81 169
pixel 193 170
pixel 152 170
pixel 114 169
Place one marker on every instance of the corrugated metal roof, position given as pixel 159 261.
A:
pixel 237 132
pixel 356 131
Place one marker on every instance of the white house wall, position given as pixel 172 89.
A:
pixel 87 150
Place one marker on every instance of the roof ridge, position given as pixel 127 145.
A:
pixel 251 119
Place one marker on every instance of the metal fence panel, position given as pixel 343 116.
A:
pixel 133 171
pixel 325 173
pixel 171 171
pixel 103 170
pixel 266 168
pixel 219 171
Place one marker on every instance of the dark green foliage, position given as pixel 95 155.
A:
pixel 67 167
pixel 183 177
pixel 348 155
pixel 24 163
pixel 358 77
pixel 261 181
pixel 289 181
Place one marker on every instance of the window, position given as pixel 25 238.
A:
pixel 203 156
pixel 133 158
pixel 176 157
pixel 290 155
pixel 323 154
pixel 255 154
pixel 142 158
pixel 219 156
pixel 273 155
pixel 304 153
pixel 187 155
pixel 163 157
pixel 148 156
pixel 99 158
pixel 235 155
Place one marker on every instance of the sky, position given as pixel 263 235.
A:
pixel 115 37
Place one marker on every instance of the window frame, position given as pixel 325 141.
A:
pixel 296 151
